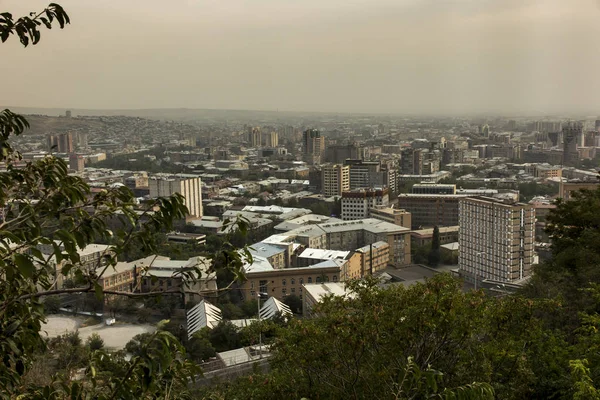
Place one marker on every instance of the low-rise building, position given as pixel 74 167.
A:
pixel 371 259
pixel 422 237
pixel 392 215
pixel 315 292
pixel 280 283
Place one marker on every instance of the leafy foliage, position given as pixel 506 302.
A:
pixel 27 28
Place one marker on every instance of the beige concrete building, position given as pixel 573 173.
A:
pixel 280 283
pixel 371 259
pixel 567 188
pixel 395 216
pixel 496 239
pixel 421 237
pixel 351 235
pixel 336 179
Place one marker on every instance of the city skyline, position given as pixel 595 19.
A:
pixel 398 57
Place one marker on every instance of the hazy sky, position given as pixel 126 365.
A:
pixel 399 56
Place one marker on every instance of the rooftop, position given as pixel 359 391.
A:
pixel 320 254
pixel 319 290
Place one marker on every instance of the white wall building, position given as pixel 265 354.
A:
pixel 189 186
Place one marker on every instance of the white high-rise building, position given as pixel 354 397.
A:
pixel 357 203
pixel 496 239
pixel 189 186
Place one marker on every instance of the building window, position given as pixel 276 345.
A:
pixel 293 290
pixel 169 283
pixel 284 282
pixel 318 279
pixel 309 279
pixel 292 281
pixel 335 278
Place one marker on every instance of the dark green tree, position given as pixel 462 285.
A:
pixel 294 303
pixel 434 254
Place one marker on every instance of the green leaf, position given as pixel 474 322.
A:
pixel 25 265
pixel 99 291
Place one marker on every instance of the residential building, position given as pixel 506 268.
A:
pixel 429 210
pixel 351 235
pixel 122 277
pixel 76 162
pixel 496 239
pixel 189 186
pixel 548 171
pixel 357 203
pixel 254 137
pixel 373 258
pixel 392 215
pixel 158 273
pixel 336 179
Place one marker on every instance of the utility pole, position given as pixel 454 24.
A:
pixel 371 258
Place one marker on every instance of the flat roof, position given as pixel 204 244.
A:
pixel 321 254
pixel 319 290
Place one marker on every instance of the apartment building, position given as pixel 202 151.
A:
pixel 351 235
pixel 357 203
pixel 429 210
pixel 371 259
pixel 496 239
pixel 336 179
pixel 189 186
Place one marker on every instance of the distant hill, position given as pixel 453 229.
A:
pixel 179 114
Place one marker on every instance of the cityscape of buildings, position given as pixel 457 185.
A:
pixel 333 198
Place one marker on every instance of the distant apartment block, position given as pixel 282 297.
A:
pixel 338 153
pixel 496 239
pixel 272 139
pixel 571 132
pixel 189 186
pixel 62 143
pixel 313 144
pixel 336 179
pixel 76 162
pixel 357 203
